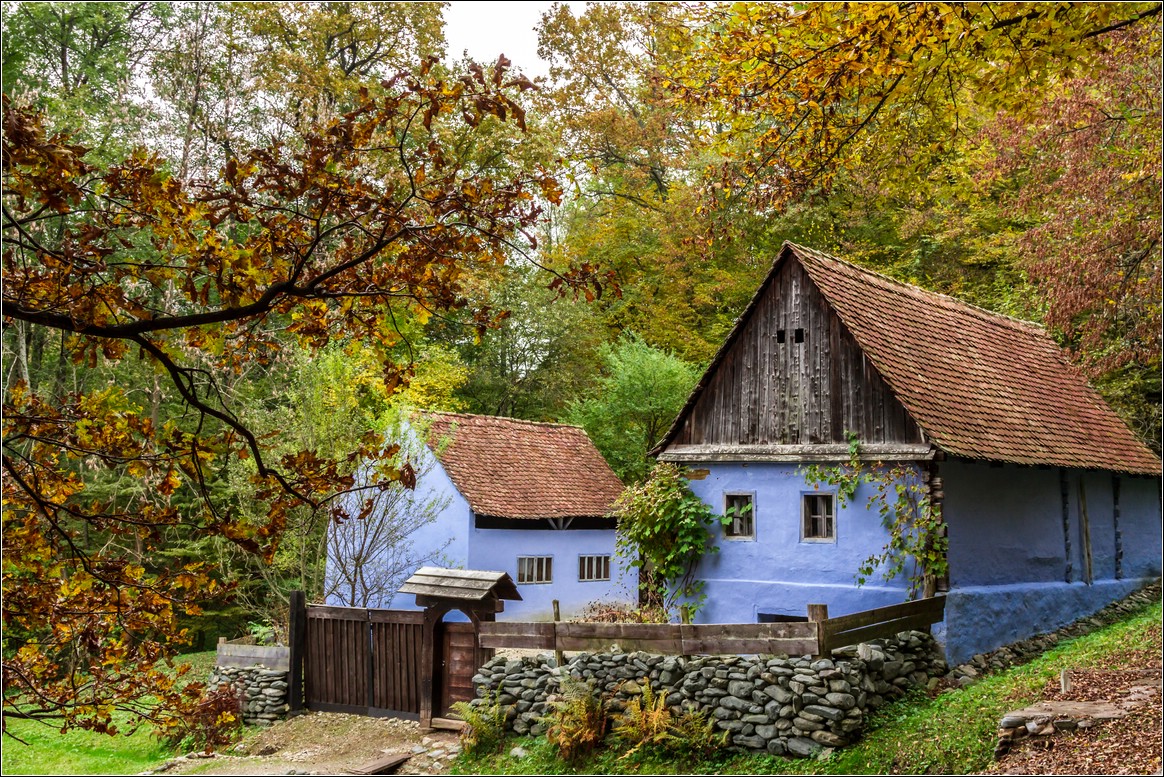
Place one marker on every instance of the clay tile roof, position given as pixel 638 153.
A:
pixel 980 385
pixel 508 468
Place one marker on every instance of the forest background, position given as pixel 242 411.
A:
pixel 182 412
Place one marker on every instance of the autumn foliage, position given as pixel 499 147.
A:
pixel 353 227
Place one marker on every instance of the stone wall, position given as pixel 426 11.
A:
pixel 262 691
pixel 792 706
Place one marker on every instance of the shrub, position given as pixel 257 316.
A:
pixel 693 734
pixel 664 530
pixel 577 723
pixel 624 612
pixel 484 731
pixel 646 721
pixel 214 721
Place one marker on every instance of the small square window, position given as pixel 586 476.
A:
pixel 798 336
pixel 817 523
pixel 739 508
pixel 593 568
pixel 779 335
pixel 535 569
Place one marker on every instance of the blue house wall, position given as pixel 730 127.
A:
pixel 1008 557
pixel 777 573
pixel 1017 567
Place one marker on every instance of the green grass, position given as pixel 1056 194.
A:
pixel 83 752
pixel 79 752
pixel 954 733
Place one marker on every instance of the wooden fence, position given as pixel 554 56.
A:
pixel 814 637
pixel 369 662
pixel 882 622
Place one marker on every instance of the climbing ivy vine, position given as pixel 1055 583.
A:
pixel 663 531
pixel 917 537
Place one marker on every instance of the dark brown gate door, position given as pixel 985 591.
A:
pixel 458 661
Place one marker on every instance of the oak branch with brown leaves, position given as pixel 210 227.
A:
pixel 379 216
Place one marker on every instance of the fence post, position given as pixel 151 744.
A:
pixel 559 656
pixel 818 614
pixel 297 645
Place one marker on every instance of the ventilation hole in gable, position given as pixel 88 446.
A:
pixel 798 336
pixel 779 335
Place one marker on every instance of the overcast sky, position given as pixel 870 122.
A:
pixel 488 29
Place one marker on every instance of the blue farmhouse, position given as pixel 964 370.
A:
pixel 1051 505
pixel 531 499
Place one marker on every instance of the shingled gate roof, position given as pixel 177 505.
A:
pixel 979 384
pixel 508 468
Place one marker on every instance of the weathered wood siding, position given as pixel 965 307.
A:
pixel 766 392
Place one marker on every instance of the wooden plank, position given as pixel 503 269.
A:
pixel 445 592
pixel 396 616
pixel 386 765
pixel 724 646
pixel 934 606
pixel 320 611
pixel 518 628
pixel 627 645
pixel 527 641
pixel 462 574
pixel 883 630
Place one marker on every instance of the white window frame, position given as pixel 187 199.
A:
pixel 594 565
pixel 805 498
pixel 750 537
pixel 542 568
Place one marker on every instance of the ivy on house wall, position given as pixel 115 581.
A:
pixel 900 495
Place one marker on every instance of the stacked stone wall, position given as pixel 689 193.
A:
pixel 262 691
pixel 792 706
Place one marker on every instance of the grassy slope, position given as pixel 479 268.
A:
pixel 82 752
pixel 954 733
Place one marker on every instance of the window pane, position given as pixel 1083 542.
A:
pixel 818 517
pixel 594 568
pixel 741 510
pixel 534 569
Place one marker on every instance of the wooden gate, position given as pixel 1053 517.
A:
pixel 369 662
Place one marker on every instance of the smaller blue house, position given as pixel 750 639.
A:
pixel 1050 504
pixel 531 499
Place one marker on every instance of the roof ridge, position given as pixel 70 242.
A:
pixel 508 419
pixel 990 315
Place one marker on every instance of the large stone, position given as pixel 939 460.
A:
pixel 777 747
pixel 828 739
pixel 802 747
pixel 804 726
pixel 751 742
pixel 732 703
pixel 740 688
pixel 781 695
pixel 767 732
pixel 842 701
pixel 828 713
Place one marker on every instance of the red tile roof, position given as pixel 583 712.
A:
pixel 979 384
pixel 508 468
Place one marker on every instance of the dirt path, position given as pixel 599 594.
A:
pixel 326 743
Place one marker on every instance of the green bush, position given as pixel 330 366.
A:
pixel 577 722
pixel 645 723
pixel 484 731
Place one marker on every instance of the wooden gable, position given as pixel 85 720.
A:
pixel 792 375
